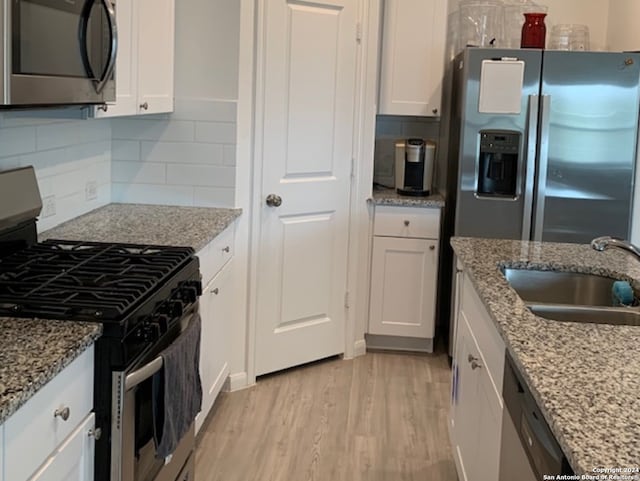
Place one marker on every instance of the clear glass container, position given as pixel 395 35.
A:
pixel 514 20
pixel 569 37
pixel 480 23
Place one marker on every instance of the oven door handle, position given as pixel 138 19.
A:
pixel 148 370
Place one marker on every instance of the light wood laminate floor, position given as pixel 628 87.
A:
pixel 379 417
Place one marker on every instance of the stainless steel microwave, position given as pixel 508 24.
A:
pixel 58 52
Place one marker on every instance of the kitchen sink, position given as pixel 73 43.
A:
pixel 555 287
pixel 588 314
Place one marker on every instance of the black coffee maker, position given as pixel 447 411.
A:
pixel 414 166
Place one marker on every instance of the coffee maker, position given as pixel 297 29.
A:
pixel 414 166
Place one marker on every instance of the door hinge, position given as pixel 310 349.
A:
pixel 346 300
pixel 359 32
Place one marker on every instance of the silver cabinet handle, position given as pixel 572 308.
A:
pixel 144 106
pixel 96 433
pixel 474 362
pixel 274 200
pixel 63 413
pixel 215 291
pixel 406 223
pixel 226 249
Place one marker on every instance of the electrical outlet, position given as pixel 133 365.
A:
pixel 48 206
pixel 91 190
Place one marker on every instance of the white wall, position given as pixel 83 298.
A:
pixel 623 31
pixel 66 152
pixel 187 157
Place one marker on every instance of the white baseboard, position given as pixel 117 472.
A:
pixel 397 343
pixel 359 348
pixel 236 382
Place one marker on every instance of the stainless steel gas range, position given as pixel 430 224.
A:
pixel 146 298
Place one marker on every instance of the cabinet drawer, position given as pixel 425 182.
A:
pixel 73 460
pixel 421 223
pixel 33 432
pixel 216 254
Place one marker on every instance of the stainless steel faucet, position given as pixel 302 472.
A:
pixel 602 243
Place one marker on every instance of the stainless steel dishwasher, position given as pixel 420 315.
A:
pixel 528 449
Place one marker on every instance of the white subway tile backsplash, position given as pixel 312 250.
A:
pixel 214 196
pixel 125 150
pixel 200 175
pixel 178 152
pixel 206 110
pixel 216 132
pixel 138 172
pixel 156 130
pixel 151 194
pixel 17 141
pixel 58 135
pixel 230 154
pixel 24 118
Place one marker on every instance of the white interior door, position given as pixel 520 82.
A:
pixel 307 101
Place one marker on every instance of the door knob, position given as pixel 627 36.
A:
pixel 274 200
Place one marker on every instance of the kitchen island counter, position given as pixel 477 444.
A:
pixel 147 224
pixel 584 377
pixel 34 351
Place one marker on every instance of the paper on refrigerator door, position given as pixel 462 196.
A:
pixel 501 86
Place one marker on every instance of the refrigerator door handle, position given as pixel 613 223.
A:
pixel 529 165
pixel 543 162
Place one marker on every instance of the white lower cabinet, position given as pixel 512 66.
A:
pixel 216 309
pixel 404 276
pixel 73 461
pixel 477 408
pixel 217 312
pixel 51 437
pixel 403 287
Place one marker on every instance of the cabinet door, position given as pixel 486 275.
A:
pixel 216 309
pixel 413 51
pixel 464 409
pixel 126 69
pixel 156 27
pixel 74 458
pixel 403 287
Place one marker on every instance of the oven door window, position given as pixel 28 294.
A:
pixel 69 38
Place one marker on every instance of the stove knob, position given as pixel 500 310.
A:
pixel 177 308
pixel 190 294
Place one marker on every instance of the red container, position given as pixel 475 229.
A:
pixel 534 31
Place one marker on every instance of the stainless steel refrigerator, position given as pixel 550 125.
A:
pixel 545 143
pixel 542 146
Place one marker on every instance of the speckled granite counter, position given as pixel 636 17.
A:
pixel 385 196
pixel 585 377
pixel 147 224
pixel 33 351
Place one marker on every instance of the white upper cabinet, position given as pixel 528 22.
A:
pixel 412 63
pixel 145 62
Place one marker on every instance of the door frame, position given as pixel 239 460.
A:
pixel 249 181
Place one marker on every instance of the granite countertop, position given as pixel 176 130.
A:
pixel 34 351
pixel 386 196
pixel 585 377
pixel 147 224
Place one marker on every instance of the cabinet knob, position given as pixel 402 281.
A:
pixel 96 433
pixel 432 248
pixel 63 413
pixel 406 223
pixel 474 362
pixel 215 291
pixel 144 106
pixel 435 111
pixel 104 107
pixel 226 249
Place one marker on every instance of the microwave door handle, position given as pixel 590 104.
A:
pixel 113 47
pixel 82 34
